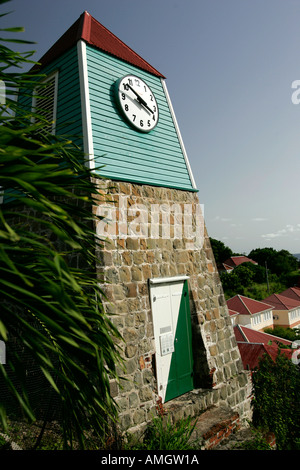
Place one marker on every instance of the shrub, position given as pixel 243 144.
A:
pixel 163 434
pixel 276 403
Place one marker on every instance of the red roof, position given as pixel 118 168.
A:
pixel 235 261
pixel 254 344
pixel 248 335
pixel 94 33
pixel 232 313
pixel 292 293
pixel 246 306
pixel 252 352
pixel 280 302
pixel 227 267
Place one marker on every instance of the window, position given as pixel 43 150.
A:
pixel 44 103
pixel 295 314
pixel 267 316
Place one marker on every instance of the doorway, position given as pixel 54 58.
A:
pixel 173 336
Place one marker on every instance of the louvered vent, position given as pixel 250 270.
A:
pixel 45 104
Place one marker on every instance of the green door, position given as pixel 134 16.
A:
pixel 173 337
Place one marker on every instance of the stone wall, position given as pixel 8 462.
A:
pixel 138 249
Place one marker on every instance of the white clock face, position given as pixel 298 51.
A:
pixel 137 103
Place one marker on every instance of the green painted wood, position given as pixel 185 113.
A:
pixel 122 152
pixel 180 379
pixel 68 114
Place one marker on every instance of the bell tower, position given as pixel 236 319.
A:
pixel 160 279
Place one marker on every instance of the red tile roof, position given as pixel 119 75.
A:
pixel 232 313
pixel 235 261
pixel 94 33
pixel 227 267
pixel 254 344
pixel 292 293
pixel 248 335
pixel 246 306
pixel 280 302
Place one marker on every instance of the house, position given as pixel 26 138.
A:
pixel 161 283
pixel 286 310
pixel 254 344
pixel 251 313
pixel 235 261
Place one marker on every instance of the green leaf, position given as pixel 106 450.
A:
pixel 50 379
pixel 17 29
pixel 3 331
pixel 55 305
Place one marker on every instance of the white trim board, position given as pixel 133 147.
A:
pixel 163 280
pixel 178 132
pixel 85 105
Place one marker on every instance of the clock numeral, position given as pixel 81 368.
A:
pixel 154 108
pixel 125 86
pixel 137 82
pixel 149 123
pixel 130 81
pixel 123 96
pixel 141 123
pixel 126 107
pixel 151 97
pixel 134 117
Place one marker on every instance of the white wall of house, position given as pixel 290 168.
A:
pixel 294 317
pixel 234 320
pixel 263 320
pixel 258 321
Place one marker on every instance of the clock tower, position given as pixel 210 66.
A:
pixel 160 279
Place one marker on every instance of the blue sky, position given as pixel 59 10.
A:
pixel 230 66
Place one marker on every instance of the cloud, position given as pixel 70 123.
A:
pixel 259 219
pixel 222 219
pixel 289 229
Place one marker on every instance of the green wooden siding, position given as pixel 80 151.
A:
pixel 68 114
pixel 68 117
pixel 123 153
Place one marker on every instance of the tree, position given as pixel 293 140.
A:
pixel 51 299
pixel 220 250
pixel 258 272
pixel 245 274
pixel 231 284
pixel 286 333
pixel 279 262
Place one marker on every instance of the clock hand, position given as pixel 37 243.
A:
pixel 143 103
pixel 136 93
pixel 140 99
